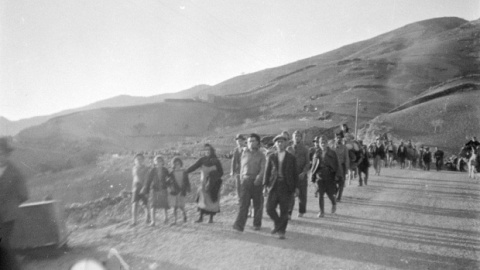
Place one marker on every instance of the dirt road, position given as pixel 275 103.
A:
pixel 401 220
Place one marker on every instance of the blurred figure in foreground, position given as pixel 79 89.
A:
pixel 13 192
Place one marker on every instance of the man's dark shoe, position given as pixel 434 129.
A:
pixel 334 209
pixel 281 236
pixel 321 214
pixel 237 229
pixel 274 231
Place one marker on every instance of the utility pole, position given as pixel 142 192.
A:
pixel 356 120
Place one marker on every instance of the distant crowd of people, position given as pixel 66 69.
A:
pixel 278 171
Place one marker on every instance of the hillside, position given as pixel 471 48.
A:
pixel 82 135
pixel 384 72
pixel 11 128
pixel 446 116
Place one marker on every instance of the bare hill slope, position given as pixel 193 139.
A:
pixel 445 117
pixel 383 72
pixel 11 128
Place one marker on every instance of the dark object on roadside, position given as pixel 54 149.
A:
pixel 39 224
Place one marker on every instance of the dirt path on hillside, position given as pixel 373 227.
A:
pixel 401 220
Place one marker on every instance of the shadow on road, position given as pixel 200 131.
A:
pixel 360 252
pixel 400 232
pixel 444 194
pixel 429 185
pixel 413 208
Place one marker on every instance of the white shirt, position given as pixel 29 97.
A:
pixel 281 157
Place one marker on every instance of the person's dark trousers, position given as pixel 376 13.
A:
pixel 329 188
pixel 249 192
pixel 341 185
pixel 361 180
pixel 426 166
pixel 279 196
pixel 402 163
pixel 302 197
pixel 7 256
pixel 439 164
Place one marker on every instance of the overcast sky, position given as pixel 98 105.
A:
pixel 61 54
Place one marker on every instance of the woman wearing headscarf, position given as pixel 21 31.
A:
pixel 208 194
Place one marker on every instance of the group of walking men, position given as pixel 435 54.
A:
pixel 281 174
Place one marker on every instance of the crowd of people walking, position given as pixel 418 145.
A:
pixel 278 172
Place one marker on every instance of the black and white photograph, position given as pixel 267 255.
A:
pixel 248 134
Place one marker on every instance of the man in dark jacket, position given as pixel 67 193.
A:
pixel 427 159
pixel 438 155
pixel 344 162
pixel 402 154
pixel 325 170
pixel 378 155
pixel 281 182
pixel 363 165
pixel 300 152
pixel 235 164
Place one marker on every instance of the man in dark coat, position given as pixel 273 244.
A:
pixel 325 170
pixel 402 154
pixel 281 182
pixel 363 165
pixel 344 162
pixel 426 158
pixel 438 155
pixel 300 152
pixel 235 164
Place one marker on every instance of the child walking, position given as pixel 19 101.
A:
pixel 157 187
pixel 179 187
pixel 140 174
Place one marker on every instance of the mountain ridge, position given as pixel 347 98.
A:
pixel 383 72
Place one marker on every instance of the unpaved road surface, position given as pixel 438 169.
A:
pixel 402 220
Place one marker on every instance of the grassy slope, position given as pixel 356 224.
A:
pixel 459 112
pixel 383 72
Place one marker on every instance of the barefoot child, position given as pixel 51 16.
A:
pixel 139 173
pixel 180 186
pixel 157 187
